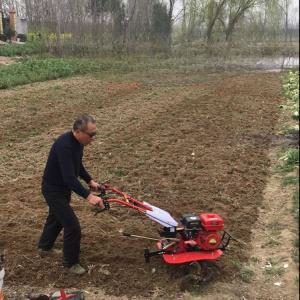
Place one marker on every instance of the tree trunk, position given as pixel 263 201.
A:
pixel 233 19
pixel 213 20
pixel 183 27
pixel 170 20
pixel 286 20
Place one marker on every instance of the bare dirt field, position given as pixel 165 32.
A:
pixel 182 146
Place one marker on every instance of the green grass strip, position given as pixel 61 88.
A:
pixel 28 48
pixel 33 70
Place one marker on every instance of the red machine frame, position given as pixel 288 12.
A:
pixel 166 246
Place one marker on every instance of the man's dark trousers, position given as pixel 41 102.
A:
pixel 61 215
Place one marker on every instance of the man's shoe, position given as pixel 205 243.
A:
pixel 45 253
pixel 77 269
pixel 56 251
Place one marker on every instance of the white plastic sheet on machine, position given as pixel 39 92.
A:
pixel 160 216
pixel 2 273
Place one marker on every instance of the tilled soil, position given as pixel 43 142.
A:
pixel 186 148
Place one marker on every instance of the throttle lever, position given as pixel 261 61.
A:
pixel 102 191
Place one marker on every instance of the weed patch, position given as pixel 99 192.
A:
pixel 290 180
pixel 290 160
pixel 22 49
pixel 291 156
pixel 271 243
pixel 296 214
pixel 247 275
pixel 273 272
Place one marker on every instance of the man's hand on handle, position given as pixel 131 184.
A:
pixel 95 200
pixel 94 186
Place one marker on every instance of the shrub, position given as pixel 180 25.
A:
pixel 22 37
pixel 291 93
pixel 290 159
pixel 2 37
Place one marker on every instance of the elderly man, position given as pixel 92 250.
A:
pixel 64 166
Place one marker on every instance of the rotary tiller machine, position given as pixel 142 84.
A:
pixel 197 242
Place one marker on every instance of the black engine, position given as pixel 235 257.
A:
pixel 192 225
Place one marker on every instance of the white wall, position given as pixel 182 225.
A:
pixel 21 25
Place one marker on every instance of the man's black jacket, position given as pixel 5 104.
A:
pixel 64 165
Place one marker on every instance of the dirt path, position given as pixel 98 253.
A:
pixel 188 148
pixel 271 272
pixel 4 60
pixel 273 234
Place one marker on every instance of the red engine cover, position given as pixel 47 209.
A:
pixel 209 240
pixel 212 222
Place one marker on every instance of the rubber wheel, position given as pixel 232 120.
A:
pixel 200 272
pixel 189 283
pixel 209 270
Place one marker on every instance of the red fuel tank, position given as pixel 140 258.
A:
pixel 211 222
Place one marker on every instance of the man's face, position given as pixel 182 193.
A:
pixel 86 136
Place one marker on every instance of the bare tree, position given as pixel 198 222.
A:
pixel 128 18
pixel 126 24
pixel 237 8
pixel 284 5
pixel 140 24
pixel 170 20
pixel 214 9
pixel 183 24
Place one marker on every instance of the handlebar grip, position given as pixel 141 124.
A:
pixel 99 210
pixel 102 191
pixel 106 205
